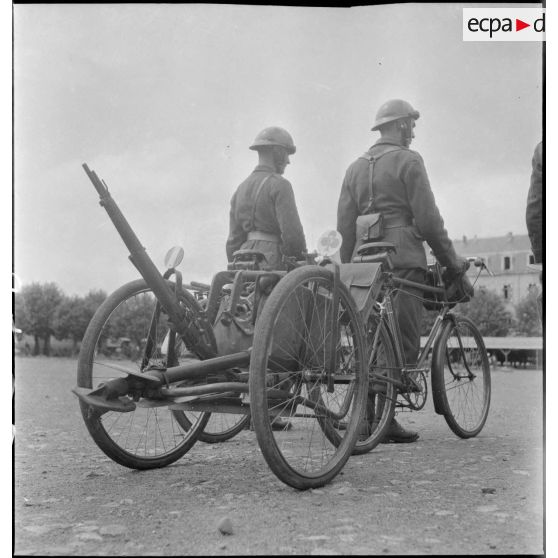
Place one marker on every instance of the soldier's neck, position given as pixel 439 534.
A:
pixel 266 159
pixel 392 138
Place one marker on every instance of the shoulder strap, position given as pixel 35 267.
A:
pixel 371 162
pixel 257 193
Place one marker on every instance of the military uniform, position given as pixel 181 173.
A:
pixel 404 197
pixel 534 216
pixel 264 217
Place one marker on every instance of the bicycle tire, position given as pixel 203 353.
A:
pixel 382 395
pixel 461 389
pixel 290 352
pixel 148 437
pixel 222 427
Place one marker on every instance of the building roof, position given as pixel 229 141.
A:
pixel 495 244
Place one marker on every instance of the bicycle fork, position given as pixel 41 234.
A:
pixel 457 376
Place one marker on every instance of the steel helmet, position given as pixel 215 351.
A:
pixel 394 110
pixel 274 136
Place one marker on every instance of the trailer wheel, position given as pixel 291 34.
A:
pixel 152 435
pixel 289 378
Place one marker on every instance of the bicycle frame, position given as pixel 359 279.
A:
pixel 387 314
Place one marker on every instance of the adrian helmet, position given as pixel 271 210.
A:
pixel 394 110
pixel 274 136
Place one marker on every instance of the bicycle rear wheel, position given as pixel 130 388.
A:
pixel 288 377
pixel 461 377
pixel 151 435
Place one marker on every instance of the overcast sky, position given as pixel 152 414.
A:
pixel 162 101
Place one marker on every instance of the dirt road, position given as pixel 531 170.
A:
pixel 442 495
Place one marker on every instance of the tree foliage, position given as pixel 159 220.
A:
pixel 527 315
pixel 35 307
pixel 489 313
pixel 132 318
pixel 74 314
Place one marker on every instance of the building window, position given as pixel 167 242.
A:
pixel 507 263
pixel 507 292
pixel 532 288
pixel 531 259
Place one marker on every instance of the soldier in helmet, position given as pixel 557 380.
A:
pixel 534 213
pixel 402 194
pixel 263 213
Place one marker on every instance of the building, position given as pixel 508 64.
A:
pixel 509 259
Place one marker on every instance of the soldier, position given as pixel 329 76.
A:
pixel 263 212
pixel 402 194
pixel 533 214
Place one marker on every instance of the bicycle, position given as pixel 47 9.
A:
pixel 460 381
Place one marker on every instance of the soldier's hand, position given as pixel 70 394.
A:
pixel 460 265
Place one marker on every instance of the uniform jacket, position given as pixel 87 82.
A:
pixel 275 213
pixel 402 191
pixel 534 213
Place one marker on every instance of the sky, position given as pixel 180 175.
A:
pixel 162 101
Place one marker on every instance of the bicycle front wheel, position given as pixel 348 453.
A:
pixel 294 374
pixel 130 331
pixel 461 377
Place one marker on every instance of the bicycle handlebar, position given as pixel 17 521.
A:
pixel 477 261
pixel 199 286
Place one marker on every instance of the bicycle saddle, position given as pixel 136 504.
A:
pixel 371 247
pixel 243 255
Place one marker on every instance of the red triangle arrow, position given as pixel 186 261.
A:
pixel 519 25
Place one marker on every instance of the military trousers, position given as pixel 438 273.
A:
pixel 408 311
pixel 271 251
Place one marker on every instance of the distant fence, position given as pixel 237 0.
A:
pixel 514 351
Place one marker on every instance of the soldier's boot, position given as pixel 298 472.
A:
pixel 396 434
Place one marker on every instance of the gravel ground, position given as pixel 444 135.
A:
pixel 442 495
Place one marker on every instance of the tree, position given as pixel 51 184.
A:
pixel 527 316
pixel 74 314
pixel 132 318
pixel 35 307
pixel 488 312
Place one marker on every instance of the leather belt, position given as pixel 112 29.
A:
pixel 395 222
pixel 260 235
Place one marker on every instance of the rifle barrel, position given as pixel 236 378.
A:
pixel 138 254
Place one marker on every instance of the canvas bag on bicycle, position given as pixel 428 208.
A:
pixel 370 225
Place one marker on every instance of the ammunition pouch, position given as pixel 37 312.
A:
pixel 370 227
